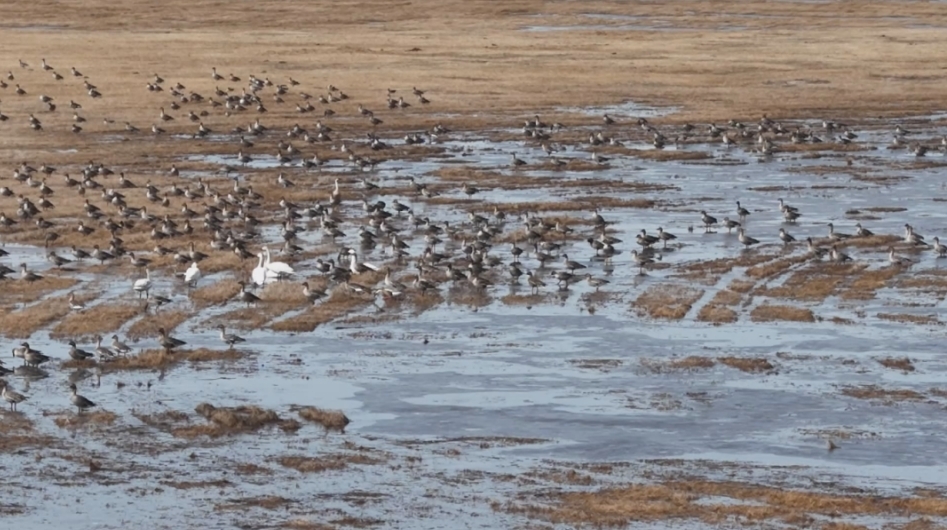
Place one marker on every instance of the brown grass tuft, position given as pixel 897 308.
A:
pixel 97 320
pixel 331 420
pixel 523 299
pixel 869 281
pixel 16 291
pixel 776 267
pixel 335 462
pixel 771 313
pixel 215 294
pixel 148 325
pixel 159 360
pixel 690 363
pixel 803 285
pixel 72 420
pixel 340 303
pixel 741 286
pixel 747 364
pixel 23 323
pixel 670 302
pixel 886 395
pixel 897 363
pixel 269 502
pixel 717 314
pixel 229 421
pixel 912 319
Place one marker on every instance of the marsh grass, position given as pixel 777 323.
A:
pixel 717 314
pixel 668 302
pixel 215 294
pixel 159 360
pixel 686 364
pixel 338 304
pixel 19 291
pixel 148 325
pixel 331 420
pixel 334 462
pixel 230 421
pixel 886 395
pixel 774 313
pixel 897 363
pixel 99 319
pixel 71 420
pixel 910 319
pixel 748 364
pixel 23 323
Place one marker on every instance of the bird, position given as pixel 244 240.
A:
pixel 192 275
pixel 785 237
pixel 596 282
pixel 745 239
pixel 143 285
pixel 11 397
pixel 77 354
pixel 897 260
pixel 229 338
pixel 168 342
pixel 81 402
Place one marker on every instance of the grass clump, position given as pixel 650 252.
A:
pixel 96 320
pixel 774 313
pixel 747 364
pixel 668 302
pixel 230 421
pixel 331 420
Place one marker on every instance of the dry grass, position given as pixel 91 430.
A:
pixel 230 421
pixel 602 365
pixel 17 432
pixel 527 300
pixel 72 420
pixel 773 313
pixel 99 319
pixel 774 268
pixel 865 284
pixel 23 323
pixel 716 314
pixel 748 364
pixel 159 360
pixel 670 302
pixel 148 325
pixel 886 395
pixel 897 363
pixel 338 304
pixel 334 462
pixel 17 291
pixel 910 319
pixel 687 364
pixel 268 502
pixel 215 294
pixel 726 297
pixel 715 503
pixel 803 286
pixel 331 420
pixel 741 286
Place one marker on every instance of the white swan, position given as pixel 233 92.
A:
pixel 192 274
pixel 143 285
pixel 357 268
pixel 277 268
pixel 258 276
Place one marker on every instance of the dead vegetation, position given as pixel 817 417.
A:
pixel 867 282
pixel 774 313
pixel 73 420
pixel 885 395
pixel 333 462
pixel 669 302
pixel 803 286
pixel 268 502
pixel 687 364
pixel 338 304
pixel 603 365
pixel 18 432
pixel 331 420
pixel 161 360
pixel 897 363
pixel 215 294
pixel 911 319
pixel 231 421
pixel 748 364
pixel 21 292
pixel 715 503
pixel 23 323
pixel 716 314
pixel 148 325
pixel 99 319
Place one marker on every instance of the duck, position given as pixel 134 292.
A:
pixel 27 275
pixel 839 257
pixel 642 260
pixel 143 285
pixel 192 275
pixel 229 338
pixel 816 251
pixel 535 282
pixel 912 237
pixel 731 224
pixel 571 265
pixel 646 240
pixel 30 356
pixel 168 342
pixel 81 402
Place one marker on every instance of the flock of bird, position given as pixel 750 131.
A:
pixel 475 254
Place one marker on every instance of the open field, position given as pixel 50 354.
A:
pixel 469 347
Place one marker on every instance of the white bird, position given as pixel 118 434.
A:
pixel 192 274
pixel 261 275
pixel 278 268
pixel 143 285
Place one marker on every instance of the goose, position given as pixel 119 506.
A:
pixel 246 297
pixel 785 237
pixel 279 268
pixel 229 338
pixel 74 304
pixel 11 397
pixel 571 265
pixel 535 282
pixel 27 275
pixel 104 353
pixel 30 356
pixel 817 252
pixel 356 267
pixel 643 260
pixel 912 237
pixel 742 212
pixel 708 221
pixel 562 277
pixel 81 402
pixel 596 282
pixel 839 257
pixel 862 232
pixel 899 261
pixel 77 354
pixel 646 240
pixel 143 285
pixel 745 239
pixel 312 295
pixel 168 342
pixel 940 249
pixel 665 236
pixel 192 275
pixel 836 236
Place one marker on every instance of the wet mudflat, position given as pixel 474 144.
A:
pixel 714 385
